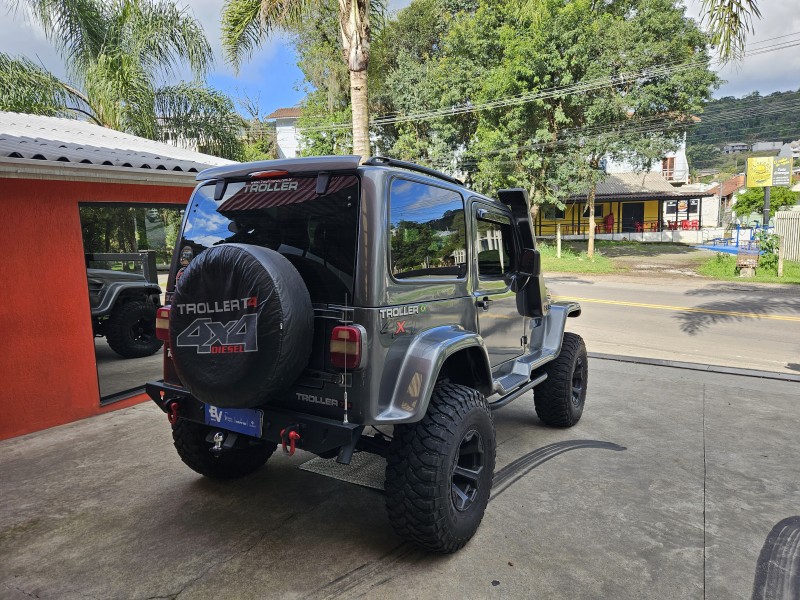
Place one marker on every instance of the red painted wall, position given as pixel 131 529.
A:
pixel 48 373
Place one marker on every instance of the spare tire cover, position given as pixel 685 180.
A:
pixel 241 325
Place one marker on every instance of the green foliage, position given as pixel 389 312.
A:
pixel 729 22
pixel 573 262
pixel 723 266
pixel 26 87
pixel 262 149
pixel 768 244
pixel 120 229
pixel 752 201
pixel 117 54
pixel 205 116
pixel 318 138
pixel 745 120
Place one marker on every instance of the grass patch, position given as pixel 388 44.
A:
pixel 723 266
pixel 573 262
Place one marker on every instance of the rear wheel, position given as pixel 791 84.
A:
pixel 439 471
pixel 131 329
pixel 190 442
pixel 560 398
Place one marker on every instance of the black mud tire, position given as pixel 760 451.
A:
pixel 429 502
pixel 190 442
pixel 560 398
pixel 131 329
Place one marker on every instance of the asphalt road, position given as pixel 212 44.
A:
pixel 690 320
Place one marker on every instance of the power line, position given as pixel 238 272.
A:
pixel 578 87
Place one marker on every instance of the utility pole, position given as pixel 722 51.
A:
pixel 766 206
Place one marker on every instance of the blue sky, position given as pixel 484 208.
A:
pixel 272 78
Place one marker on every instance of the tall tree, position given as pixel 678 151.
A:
pixel 603 80
pixel 116 55
pixel 247 23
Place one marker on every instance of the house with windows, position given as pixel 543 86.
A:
pixel 626 203
pixel 725 195
pixel 674 166
pixel 287 136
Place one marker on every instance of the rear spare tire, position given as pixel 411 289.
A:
pixel 241 325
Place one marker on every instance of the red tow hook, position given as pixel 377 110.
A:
pixel 289 438
pixel 172 414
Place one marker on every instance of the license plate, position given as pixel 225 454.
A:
pixel 241 420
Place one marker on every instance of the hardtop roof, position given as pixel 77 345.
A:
pixel 290 165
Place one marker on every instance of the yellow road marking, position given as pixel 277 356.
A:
pixel 730 313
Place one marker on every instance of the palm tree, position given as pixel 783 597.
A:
pixel 729 21
pixel 247 23
pixel 116 52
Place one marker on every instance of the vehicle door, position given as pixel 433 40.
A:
pixel 496 251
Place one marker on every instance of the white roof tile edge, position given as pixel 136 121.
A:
pixel 76 141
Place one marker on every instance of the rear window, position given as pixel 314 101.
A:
pixel 317 233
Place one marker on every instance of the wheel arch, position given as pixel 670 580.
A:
pixel 468 366
pixel 445 351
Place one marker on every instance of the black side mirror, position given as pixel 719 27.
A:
pixel 530 263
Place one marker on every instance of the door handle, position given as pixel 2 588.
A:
pixel 484 304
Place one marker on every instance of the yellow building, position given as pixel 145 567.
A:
pixel 626 203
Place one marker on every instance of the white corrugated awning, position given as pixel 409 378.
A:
pixel 57 139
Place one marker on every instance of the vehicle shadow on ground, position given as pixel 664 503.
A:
pixel 750 302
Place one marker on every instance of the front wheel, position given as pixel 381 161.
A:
pixel 190 442
pixel 560 398
pixel 439 471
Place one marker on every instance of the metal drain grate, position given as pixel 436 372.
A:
pixel 367 470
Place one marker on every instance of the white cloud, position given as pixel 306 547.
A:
pixel 768 72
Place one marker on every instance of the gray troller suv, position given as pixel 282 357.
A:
pixel 337 306
pixel 124 311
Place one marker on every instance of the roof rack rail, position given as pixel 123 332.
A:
pixel 384 161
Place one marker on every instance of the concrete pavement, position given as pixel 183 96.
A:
pixel 668 488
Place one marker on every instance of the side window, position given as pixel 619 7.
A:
pixel 496 253
pixel 427 232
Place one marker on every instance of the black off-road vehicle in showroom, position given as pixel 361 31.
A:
pixel 124 311
pixel 337 306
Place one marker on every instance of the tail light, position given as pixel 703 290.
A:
pixel 346 346
pixel 162 323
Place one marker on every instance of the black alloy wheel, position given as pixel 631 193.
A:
pixel 466 475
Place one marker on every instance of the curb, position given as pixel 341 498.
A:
pixel 659 362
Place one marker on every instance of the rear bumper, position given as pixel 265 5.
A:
pixel 317 434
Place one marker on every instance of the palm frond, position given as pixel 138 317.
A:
pixel 114 83
pixel 192 113
pixel 729 22
pixel 247 23
pixel 28 88
pixel 77 28
pixel 164 35
pixel 242 31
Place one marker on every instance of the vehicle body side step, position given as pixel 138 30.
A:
pixel 508 398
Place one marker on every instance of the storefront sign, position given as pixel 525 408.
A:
pixel 767 171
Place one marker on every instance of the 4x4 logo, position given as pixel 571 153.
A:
pixel 213 337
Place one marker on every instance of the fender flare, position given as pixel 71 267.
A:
pixel 406 391
pixel 146 290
